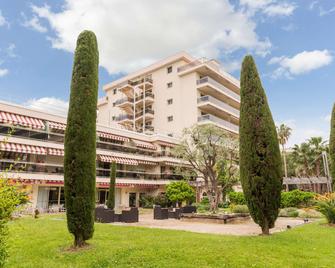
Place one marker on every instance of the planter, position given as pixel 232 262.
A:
pixel 216 218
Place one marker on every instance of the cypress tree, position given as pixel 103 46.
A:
pixel 332 145
pixel 111 194
pixel 260 160
pixel 80 140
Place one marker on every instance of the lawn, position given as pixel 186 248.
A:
pixel 44 242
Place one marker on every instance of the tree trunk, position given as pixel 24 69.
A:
pixel 79 241
pixel 265 228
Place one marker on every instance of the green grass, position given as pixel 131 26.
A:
pixel 43 243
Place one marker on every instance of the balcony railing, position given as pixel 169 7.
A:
pixel 219 104
pixel 135 83
pixel 124 100
pixel 147 94
pixel 223 123
pixel 220 87
pixel 147 111
pixel 124 117
pixel 52 169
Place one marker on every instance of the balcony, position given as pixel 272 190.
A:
pixel 211 68
pixel 125 119
pixel 147 99
pixel 208 118
pixel 209 104
pixel 148 114
pixel 209 86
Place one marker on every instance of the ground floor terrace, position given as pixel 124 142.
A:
pixel 49 197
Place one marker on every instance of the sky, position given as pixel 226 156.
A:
pixel 293 43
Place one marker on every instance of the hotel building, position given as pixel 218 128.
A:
pixel 139 121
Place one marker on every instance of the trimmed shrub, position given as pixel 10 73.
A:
pixel 239 209
pixel 297 198
pixel 260 159
pixel 237 198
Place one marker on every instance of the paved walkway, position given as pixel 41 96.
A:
pixel 245 228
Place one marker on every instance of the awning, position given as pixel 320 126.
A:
pixel 21 120
pixel 144 144
pixel 22 148
pixel 52 151
pixel 119 160
pixel 144 162
pixel 55 125
pixel 167 144
pixel 112 136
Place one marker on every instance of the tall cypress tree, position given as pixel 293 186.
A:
pixel 260 160
pixel 332 145
pixel 111 194
pixel 80 140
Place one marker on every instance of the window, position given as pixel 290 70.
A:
pixel 169 101
pixel 114 104
pixel 169 85
pixel 114 91
pixel 170 135
pixel 170 118
pixel 169 69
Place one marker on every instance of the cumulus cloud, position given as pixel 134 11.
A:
pixel 132 34
pixel 301 63
pixel 33 24
pixel 3 72
pixel 270 8
pixel 3 21
pixel 49 105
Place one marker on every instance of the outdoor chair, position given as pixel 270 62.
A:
pixel 161 213
pixel 104 215
pixel 130 215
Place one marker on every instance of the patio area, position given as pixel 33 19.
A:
pixel 245 228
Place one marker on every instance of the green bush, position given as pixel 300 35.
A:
pixel 161 200
pixel 239 209
pixel 327 207
pixel 147 201
pixel 237 198
pixel 297 198
pixel 204 205
pixel 289 212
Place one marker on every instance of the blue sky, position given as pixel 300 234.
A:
pixel 292 42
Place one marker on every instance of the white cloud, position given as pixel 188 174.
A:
pixel 231 65
pixel 270 8
pixel 324 12
pixel 301 63
pixel 10 51
pixel 49 105
pixel 132 34
pixel 3 21
pixel 3 72
pixel 33 24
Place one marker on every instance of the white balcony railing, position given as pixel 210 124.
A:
pixel 223 123
pixel 219 104
pixel 219 87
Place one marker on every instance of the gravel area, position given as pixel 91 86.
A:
pixel 243 228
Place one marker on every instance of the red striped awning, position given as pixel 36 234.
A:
pixel 21 120
pixel 22 148
pixel 144 144
pixel 167 144
pixel 145 162
pixel 53 151
pixel 119 160
pixel 112 136
pixel 55 125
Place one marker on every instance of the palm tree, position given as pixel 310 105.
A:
pixel 302 155
pixel 317 147
pixel 284 132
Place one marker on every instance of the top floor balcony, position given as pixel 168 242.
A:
pixel 208 118
pixel 211 68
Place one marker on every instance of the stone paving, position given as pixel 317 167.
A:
pixel 247 227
